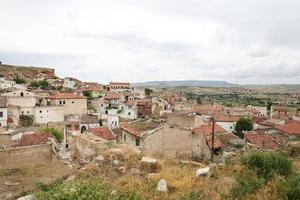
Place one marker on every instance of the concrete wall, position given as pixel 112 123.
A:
pixel 26 156
pixel 184 120
pixel 89 145
pixel 175 142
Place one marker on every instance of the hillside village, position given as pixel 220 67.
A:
pixel 72 124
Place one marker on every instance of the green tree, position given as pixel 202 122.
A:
pixel 269 105
pixel 199 101
pixel 243 124
pixel 87 94
pixel 26 120
pixel 55 132
pixel 148 91
pixel 19 80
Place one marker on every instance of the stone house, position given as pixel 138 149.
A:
pixel 144 108
pixel 6 84
pixel 88 121
pixel 72 103
pixel 118 87
pixel 71 83
pixel 48 114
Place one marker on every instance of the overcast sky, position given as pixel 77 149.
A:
pixel 241 41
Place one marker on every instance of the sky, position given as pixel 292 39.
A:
pixel 240 41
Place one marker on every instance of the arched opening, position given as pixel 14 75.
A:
pixel 83 129
pixel 22 94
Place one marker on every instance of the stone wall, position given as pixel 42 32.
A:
pixel 26 156
pixel 88 145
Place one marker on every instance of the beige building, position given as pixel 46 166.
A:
pixel 72 103
pixel 21 98
pixel 47 114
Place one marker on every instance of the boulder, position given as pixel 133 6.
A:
pixel 162 186
pixel 149 160
pixel 8 183
pixel 27 197
pixel 203 171
pixel 116 162
pixel 122 169
pixel 70 178
pixel 114 192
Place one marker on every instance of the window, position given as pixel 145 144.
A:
pixel 22 94
pixel 1 114
pixel 129 113
pixel 40 111
pixel 137 142
pixel 64 102
pixel 60 102
pixel 0 125
pixel 72 101
pixel 124 137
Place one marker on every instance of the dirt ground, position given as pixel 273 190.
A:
pixel 19 181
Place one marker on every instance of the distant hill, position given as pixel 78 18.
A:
pixel 23 72
pixel 187 83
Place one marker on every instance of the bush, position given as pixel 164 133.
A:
pixel 55 132
pixel 194 195
pixel 266 165
pixel 247 183
pixel 25 120
pixel 83 189
pixel 40 84
pixel 243 124
pixel 19 80
pixel 290 189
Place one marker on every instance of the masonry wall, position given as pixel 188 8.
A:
pixel 184 120
pixel 25 156
pixel 87 147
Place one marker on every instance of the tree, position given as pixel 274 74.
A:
pixel 199 101
pixel 19 80
pixel 55 132
pixel 87 94
pixel 269 105
pixel 243 124
pixel 25 120
pixel 148 91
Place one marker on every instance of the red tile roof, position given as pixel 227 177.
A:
pixel 110 96
pixel 66 96
pixel 291 129
pixel 119 83
pixel 207 129
pixel 262 140
pixel 226 118
pixel 34 139
pixel 103 132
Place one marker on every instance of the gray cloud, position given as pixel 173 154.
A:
pixel 249 41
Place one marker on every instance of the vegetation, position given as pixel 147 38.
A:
pixel 40 84
pixel 83 189
pixel 19 80
pixel 266 165
pixel 260 170
pixel 243 124
pixel 59 136
pixel 25 121
pixel 148 91
pixel 87 94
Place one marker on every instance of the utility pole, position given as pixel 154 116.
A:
pixel 213 139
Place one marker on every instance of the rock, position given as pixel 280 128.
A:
pixel 135 171
pixel 70 178
pixel 8 183
pixel 114 192
pixel 122 169
pixel 149 160
pixel 185 162
pixel 27 197
pixel 116 162
pixel 202 171
pixel 162 186
pixel 100 158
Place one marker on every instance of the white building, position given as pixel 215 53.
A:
pixel 128 110
pixel 5 84
pixel 3 113
pixel 70 83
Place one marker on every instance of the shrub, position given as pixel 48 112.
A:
pixel 19 80
pixel 55 132
pixel 83 189
pixel 194 195
pixel 290 190
pixel 25 120
pixel 243 124
pixel 266 165
pixel 247 183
